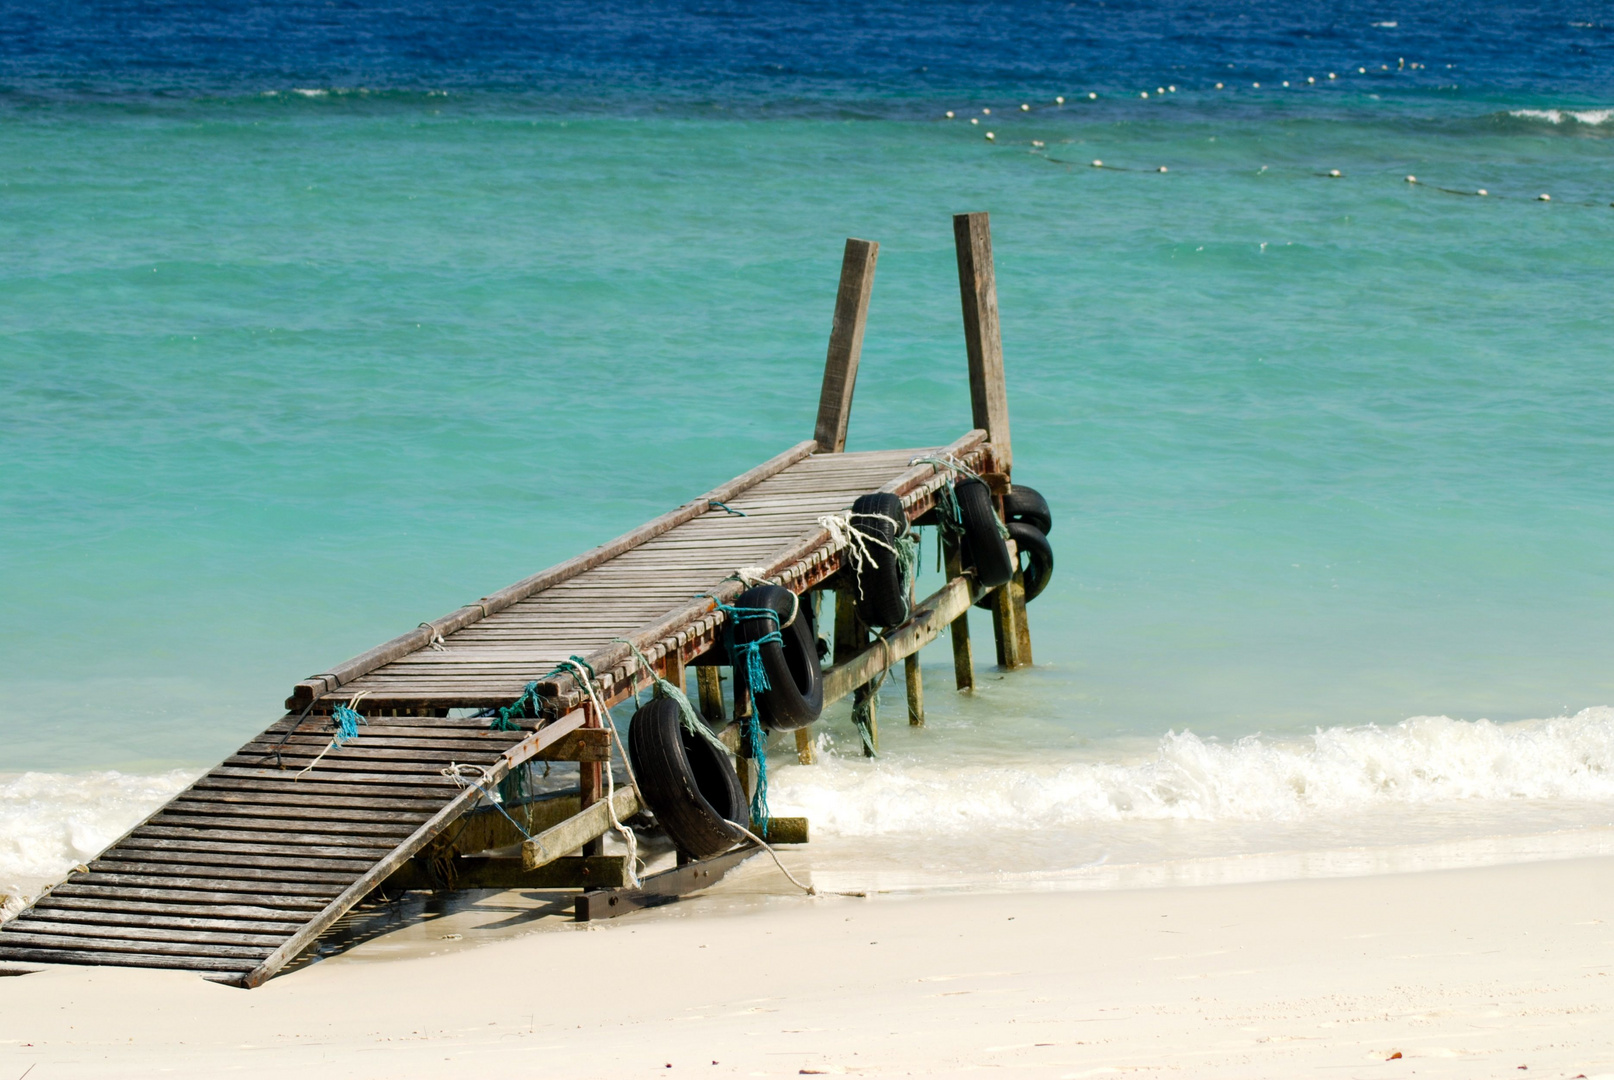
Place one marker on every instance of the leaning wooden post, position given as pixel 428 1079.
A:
pixel 989 398
pixel 845 345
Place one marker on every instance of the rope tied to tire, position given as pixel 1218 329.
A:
pixel 749 654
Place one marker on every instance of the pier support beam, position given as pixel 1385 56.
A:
pixel 845 345
pixel 963 654
pixel 916 691
pixel 851 637
pixel 709 680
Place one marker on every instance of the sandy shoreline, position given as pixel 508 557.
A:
pixel 1465 973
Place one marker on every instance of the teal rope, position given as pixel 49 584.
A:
pixel 713 504
pixel 347 721
pixel 529 706
pixel 756 743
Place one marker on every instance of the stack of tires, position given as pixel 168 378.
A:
pixel 689 782
pixel 1029 520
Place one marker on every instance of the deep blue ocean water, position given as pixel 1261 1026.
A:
pixel 317 320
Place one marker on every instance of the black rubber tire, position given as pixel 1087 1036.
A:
pixel 983 549
pixel 1036 560
pixel 881 599
pixel 1026 504
pixel 691 786
pixel 795 697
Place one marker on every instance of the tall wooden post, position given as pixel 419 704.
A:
pixel 977 286
pixel 709 681
pixel 845 345
pixel 989 398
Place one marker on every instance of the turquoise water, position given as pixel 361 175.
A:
pixel 283 374
pixel 284 377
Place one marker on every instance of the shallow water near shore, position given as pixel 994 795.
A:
pixel 299 349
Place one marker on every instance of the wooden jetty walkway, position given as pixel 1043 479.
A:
pixel 244 870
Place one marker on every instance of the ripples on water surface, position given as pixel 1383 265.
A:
pixel 316 322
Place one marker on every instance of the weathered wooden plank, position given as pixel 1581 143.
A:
pixel 104 905
pixel 326 827
pixel 102 879
pixel 20 939
pixel 127 853
pixel 358 843
pixel 421 637
pixel 977 286
pixel 662 888
pixel 244 876
pixel 588 824
pixel 146 918
pixel 508 872
pixel 259 797
pixel 126 932
pixel 58 955
pixel 225 849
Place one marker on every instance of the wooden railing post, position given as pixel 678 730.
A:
pixel 977 286
pixel 845 345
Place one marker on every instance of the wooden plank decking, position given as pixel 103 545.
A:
pixel 246 867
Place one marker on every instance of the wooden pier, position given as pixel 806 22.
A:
pixel 243 871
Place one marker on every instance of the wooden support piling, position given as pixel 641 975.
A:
pixel 804 747
pixel 709 680
pixel 1017 595
pixel 963 654
pixel 845 344
pixel 916 691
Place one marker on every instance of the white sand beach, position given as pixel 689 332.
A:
pixel 1498 971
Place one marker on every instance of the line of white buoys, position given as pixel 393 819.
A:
pixel 1160 91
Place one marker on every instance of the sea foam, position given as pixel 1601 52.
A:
pixel 1424 760
pixel 50 821
pixel 1563 116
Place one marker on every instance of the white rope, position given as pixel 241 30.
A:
pixel 843 534
pixel 610 775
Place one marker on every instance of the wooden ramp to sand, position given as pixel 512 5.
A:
pixel 240 873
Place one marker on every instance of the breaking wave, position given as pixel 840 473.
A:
pixel 50 821
pixel 1427 759
pixel 1559 117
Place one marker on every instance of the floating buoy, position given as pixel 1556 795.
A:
pixel 1024 107
pixel 1333 172
pixel 1361 71
pixel 1037 142
pixel 1171 89
pixel 1097 164
pixel 1144 94
pixel 1482 191
pixel 1218 86
pixel 973 120
pixel 990 137
pixel 1256 85
pixel 1286 84
pixel 1092 96
pixel 949 114
pixel 1059 101
pixel 1309 79
pixel 1161 169
pixel 1160 89
pixel 1543 197
pixel 1331 75
pixel 1412 179
pixel 1401 62
pixel 986 112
